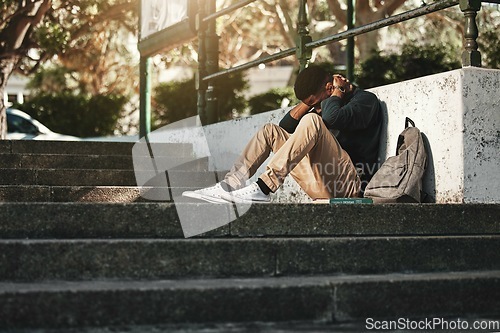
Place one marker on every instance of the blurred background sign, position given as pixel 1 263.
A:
pixel 157 15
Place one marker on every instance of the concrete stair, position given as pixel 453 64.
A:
pixel 80 171
pixel 81 251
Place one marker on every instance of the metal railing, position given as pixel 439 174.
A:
pixel 208 50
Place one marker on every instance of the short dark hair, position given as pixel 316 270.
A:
pixel 309 81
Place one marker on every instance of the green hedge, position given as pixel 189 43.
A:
pixel 271 100
pixel 414 61
pixel 77 115
pixel 173 101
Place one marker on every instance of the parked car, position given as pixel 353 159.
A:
pixel 21 126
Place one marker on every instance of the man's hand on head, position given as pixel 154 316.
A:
pixel 341 86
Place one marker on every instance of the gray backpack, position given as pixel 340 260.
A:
pixel 399 179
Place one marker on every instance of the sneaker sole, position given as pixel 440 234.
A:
pixel 193 195
pixel 230 198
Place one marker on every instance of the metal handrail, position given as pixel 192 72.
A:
pixel 424 10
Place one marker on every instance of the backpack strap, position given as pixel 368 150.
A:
pixel 401 138
pixel 409 121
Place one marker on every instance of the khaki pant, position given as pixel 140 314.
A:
pixel 312 155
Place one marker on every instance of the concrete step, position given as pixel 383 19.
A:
pixel 97 194
pixel 38 260
pixel 51 161
pixel 160 220
pixel 292 326
pixel 319 298
pixel 87 147
pixel 122 162
pixel 66 177
pixel 102 177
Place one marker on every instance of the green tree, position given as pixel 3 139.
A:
pixel 490 51
pixel 489 36
pixel 414 61
pixel 33 32
pixel 173 101
pixel 271 100
pixel 63 99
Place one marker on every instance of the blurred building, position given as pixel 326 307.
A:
pixel 15 90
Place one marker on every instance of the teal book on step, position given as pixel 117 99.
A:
pixel 342 201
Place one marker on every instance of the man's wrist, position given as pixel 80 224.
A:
pixel 338 91
pixel 339 88
pixel 299 110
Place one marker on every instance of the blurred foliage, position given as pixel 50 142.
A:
pixel 52 79
pixel 85 44
pixel 489 46
pixel 413 61
pixel 173 101
pixel 331 68
pixel 78 115
pixel 69 30
pixel 272 100
pixel 488 21
pixel 58 83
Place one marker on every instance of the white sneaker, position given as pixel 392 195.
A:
pixel 247 194
pixel 211 194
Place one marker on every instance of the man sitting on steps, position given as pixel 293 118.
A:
pixel 324 164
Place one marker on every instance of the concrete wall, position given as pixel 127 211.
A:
pixel 458 112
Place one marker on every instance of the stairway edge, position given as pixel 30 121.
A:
pixel 251 282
